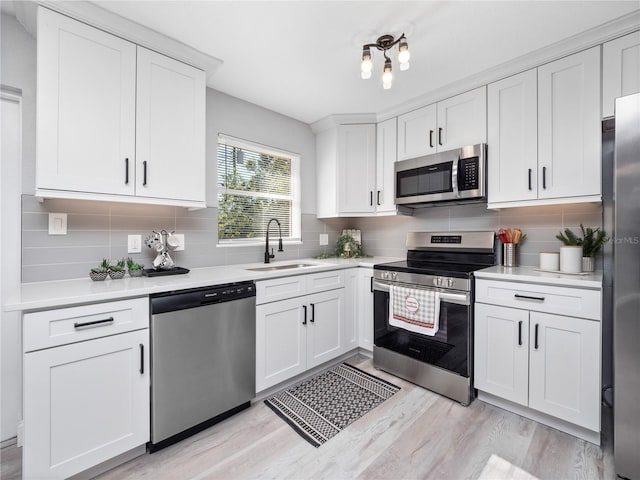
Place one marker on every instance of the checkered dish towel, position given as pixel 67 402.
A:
pixel 414 309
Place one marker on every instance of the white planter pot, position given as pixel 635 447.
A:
pixel 571 259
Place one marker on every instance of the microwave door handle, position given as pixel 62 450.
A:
pixel 454 178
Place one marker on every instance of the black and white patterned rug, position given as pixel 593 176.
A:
pixel 320 407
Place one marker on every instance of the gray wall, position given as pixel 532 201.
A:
pixel 99 230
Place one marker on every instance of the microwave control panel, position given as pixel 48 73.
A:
pixel 468 173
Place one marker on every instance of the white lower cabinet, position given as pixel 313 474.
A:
pixel 365 308
pixel 84 402
pixel 546 363
pixel 299 333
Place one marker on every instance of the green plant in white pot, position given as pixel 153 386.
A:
pixel 100 272
pixel 117 271
pixel 590 243
pixel 135 269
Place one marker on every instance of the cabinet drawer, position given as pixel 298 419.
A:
pixel 74 324
pixel 280 289
pixel 574 302
pixel 320 282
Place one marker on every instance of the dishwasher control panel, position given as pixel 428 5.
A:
pixel 196 297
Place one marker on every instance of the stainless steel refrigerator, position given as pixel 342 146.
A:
pixel 626 287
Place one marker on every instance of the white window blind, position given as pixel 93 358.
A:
pixel 255 184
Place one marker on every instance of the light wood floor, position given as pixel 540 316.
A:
pixel 414 434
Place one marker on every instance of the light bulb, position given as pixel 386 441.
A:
pixel 404 66
pixel 387 75
pixel 386 85
pixel 365 75
pixel 367 65
pixel 403 51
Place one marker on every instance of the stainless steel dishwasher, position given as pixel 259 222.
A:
pixel 202 358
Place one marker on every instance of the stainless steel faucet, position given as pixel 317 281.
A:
pixel 268 256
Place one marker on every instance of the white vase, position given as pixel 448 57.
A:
pixel 571 259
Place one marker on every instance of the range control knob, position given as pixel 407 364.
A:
pixel 394 276
pixel 385 275
pixel 437 281
pixel 450 282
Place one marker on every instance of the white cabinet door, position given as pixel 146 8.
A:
pixel 462 120
pixel 325 326
pixel 170 135
pixel 357 163
pixel 501 359
pixel 417 134
pixel 281 341
pixel 86 108
pixel 620 70
pixel 386 139
pixel 513 138
pixel 569 126
pixel 365 308
pixel 565 368
pixel 85 403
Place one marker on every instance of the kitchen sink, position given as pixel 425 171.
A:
pixel 286 266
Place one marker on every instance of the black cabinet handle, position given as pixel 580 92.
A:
pixel 535 342
pixel 431 138
pixel 304 322
pixel 371 197
pixel 529 179
pixel 378 199
pixel 371 285
pixel 95 323
pixel 439 136
pixel 528 297
pixel 520 332
pixel 544 177
pixel 141 359
pixel 144 173
pixel 313 313
pixel 126 171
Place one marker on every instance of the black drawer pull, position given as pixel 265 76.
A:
pixel 304 322
pixel 144 173
pixel 520 332
pixel 141 359
pixel 544 177
pixel 371 198
pixel 529 179
pixel 528 297
pixel 126 171
pixel 535 346
pixel 313 313
pixel 95 323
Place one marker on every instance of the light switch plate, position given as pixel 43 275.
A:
pixel 180 237
pixel 324 239
pixel 57 224
pixel 134 243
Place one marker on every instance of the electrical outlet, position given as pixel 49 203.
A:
pixel 57 224
pixel 180 238
pixel 324 239
pixel 134 243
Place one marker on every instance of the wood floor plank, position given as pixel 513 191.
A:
pixel 414 434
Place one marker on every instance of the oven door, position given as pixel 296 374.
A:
pixel 449 349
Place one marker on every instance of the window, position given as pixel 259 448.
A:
pixel 255 184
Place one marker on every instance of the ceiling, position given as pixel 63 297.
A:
pixel 302 58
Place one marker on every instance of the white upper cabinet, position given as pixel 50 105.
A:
pixel 386 154
pixel 513 138
pixel 620 70
pixel 357 168
pixel 109 110
pixel 170 134
pixel 455 122
pixel 86 96
pixel 545 135
pixel 569 126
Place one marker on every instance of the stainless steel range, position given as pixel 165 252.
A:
pixel 436 280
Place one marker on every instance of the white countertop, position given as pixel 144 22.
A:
pixel 33 296
pixel 532 275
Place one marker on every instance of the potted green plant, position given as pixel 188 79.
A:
pixel 590 244
pixel 348 247
pixel 117 271
pixel 135 269
pixel 100 272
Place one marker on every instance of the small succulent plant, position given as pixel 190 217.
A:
pixel 131 265
pixel 118 267
pixel 102 268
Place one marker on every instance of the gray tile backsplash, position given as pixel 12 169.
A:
pixel 99 230
pixel 386 235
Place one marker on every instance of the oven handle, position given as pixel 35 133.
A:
pixel 458 298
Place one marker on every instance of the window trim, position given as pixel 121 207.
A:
pixel 296 209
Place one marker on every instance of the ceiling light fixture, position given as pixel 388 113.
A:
pixel 384 43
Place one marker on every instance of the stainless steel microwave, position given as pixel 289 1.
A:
pixel 455 176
